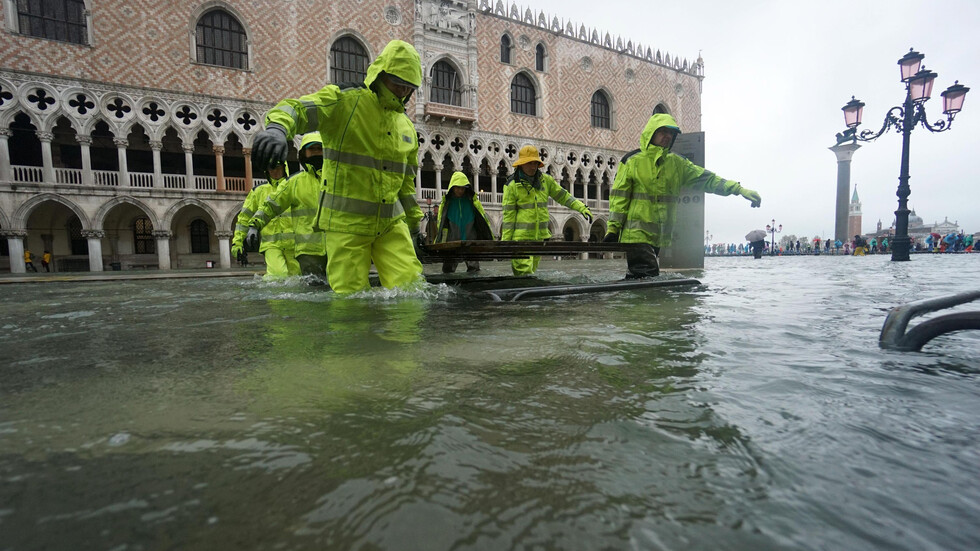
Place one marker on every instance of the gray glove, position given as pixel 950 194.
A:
pixel 269 145
pixel 252 240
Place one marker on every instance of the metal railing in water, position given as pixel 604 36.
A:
pixel 894 333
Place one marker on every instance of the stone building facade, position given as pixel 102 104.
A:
pixel 126 125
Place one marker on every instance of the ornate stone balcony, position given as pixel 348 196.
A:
pixel 450 112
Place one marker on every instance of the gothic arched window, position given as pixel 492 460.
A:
pixel 445 85
pixel 348 61
pixel 522 95
pixel 63 20
pixel 221 40
pixel 600 110
pixel 539 57
pixel 505 46
pixel 200 237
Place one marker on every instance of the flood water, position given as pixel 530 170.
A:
pixel 754 412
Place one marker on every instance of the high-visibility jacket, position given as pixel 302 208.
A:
pixel 646 190
pixel 278 235
pixel 480 228
pixel 370 147
pixel 296 201
pixel 525 206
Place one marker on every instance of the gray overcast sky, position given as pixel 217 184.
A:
pixel 777 73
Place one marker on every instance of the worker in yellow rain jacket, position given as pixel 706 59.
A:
pixel 525 206
pixel 296 200
pixel 645 193
pixel 462 218
pixel 367 208
pixel 276 239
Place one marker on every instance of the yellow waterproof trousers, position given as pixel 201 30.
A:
pixel 279 264
pixel 349 259
pixel 525 266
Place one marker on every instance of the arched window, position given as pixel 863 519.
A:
pixel 539 57
pixel 348 61
pixel 221 40
pixel 445 85
pixel 200 240
pixel 143 242
pixel 600 110
pixel 660 108
pixel 505 49
pixel 522 100
pixel 62 20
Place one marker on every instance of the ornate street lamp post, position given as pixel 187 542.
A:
pixel 771 228
pixel 918 88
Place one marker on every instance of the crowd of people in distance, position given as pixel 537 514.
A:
pixel 935 243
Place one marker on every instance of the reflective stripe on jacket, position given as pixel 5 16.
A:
pixel 645 193
pixel 370 151
pixel 525 206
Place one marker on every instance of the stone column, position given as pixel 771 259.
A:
pixel 189 165
pixel 844 152
pixel 438 183
pixel 163 248
pixel 224 248
pixel 493 186
pixel 157 146
pixel 15 245
pixel 6 174
pixel 85 143
pixel 94 238
pixel 585 239
pixel 121 145
pixel 219 163
pixel 48 169
pixel 247 152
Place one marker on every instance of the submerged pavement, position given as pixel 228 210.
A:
pixel 50 277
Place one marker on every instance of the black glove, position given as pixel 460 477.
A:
pixel 252 240
pixel 588 216
pixel 269 145
pixel 611 238
pixel 417 242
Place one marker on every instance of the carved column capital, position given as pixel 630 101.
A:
pixel 187 147
pixel 219 150
pixel 121 143
pixel 93 234
pixel 45 136
pixel 6 132
pixel 162 234
pixel 247 151
pixel 13 233
pixel 224 234
pixel 156 145
pixel 83 139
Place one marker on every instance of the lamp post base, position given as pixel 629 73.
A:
pixel 900 248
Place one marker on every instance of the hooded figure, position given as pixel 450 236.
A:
pixel 648 183
pixel 366 209
pixel 276 240
pixel 525 206
pixel 295 203
pixel 462 218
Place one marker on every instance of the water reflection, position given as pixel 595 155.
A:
pixel 747 414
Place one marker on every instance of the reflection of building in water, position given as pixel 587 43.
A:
pixel 128 142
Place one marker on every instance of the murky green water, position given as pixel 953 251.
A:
pixel 755 412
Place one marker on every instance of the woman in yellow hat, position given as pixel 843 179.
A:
pixel 525 205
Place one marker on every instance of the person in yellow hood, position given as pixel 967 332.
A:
pixel 276 241
pixel 645 192
pixel 296 201
pixel 525 206
pixel 462 218
pixel 366 209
